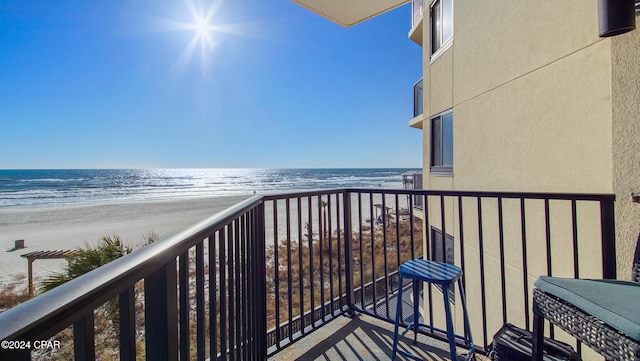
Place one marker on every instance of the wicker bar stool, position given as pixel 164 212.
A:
pixel 602 314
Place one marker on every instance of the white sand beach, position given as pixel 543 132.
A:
pixel 66 228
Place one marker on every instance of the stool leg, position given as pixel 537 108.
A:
pixel 416 312
pixel 538 337
pixel 447 311
pixel 467 325
pixel 398 316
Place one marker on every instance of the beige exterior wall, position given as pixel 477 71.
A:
pixel 540 104
pixel 532 108
pixel 625 89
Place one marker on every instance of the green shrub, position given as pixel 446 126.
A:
pixel 87 259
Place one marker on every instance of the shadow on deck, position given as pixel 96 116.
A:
pixel 361 338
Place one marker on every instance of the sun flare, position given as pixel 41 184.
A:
pixel 204 32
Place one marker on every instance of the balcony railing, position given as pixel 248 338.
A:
pixel 417 11
pixel 417 98
pixel 413 181
pixel 252 280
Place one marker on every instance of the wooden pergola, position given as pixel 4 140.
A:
pixel 32 256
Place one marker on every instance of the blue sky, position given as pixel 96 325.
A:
pixel 265 84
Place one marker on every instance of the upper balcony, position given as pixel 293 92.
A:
pixel 417 17
pixel 413 180
pixel 255 280
pixel 418 105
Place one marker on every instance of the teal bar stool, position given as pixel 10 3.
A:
pixel 443 274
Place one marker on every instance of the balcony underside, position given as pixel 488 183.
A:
pixel 349 12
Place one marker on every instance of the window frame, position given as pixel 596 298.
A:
pixel 448 242
pixel 437 9
pixel 437 144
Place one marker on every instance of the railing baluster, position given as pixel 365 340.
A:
pixel 251 284
pixel 443 222
pixel 362 280
pixel 348 252
pixel 574 237
pixel 576 259
pixel 276 271
pixel 482 281
pixel 223 293
pixel 289 276
pixel 462 256
pixel 397 205
pixel 200 326
pixel 339 253
pixel 426 224
pixel 547 232
pixel 238 291
pixel 245 287
pixel 231 291
pixel 126 303
pixel 261 294
pixel 547 227
pixel 161 314
pixel 608 237
pixel 411 230
pixel 503 276
pixel 321 231
pixel 461 238
pixel 183 274
pixel 311 268
pixel 84 347
pixel 525 268
pixel 252 329
pixel 213 309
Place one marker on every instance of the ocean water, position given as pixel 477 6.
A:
pixel 56 187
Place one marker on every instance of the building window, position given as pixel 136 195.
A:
pixel 441 24
pixel 442 143
pixel 442 251
pixel 441 247
pixel 417 98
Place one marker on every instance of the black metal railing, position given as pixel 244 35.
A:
pixel 252 280
pixel 204 287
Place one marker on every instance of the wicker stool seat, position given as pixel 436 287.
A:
pixel 602 314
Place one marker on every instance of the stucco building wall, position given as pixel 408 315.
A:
pixel 540 104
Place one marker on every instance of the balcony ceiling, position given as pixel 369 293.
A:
pixel 349 12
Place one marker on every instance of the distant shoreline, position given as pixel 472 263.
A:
pixel 26 189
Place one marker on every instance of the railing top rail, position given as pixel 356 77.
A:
pixel 302 194
pixel 489 194
pixel 605 197
pixel 47 314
